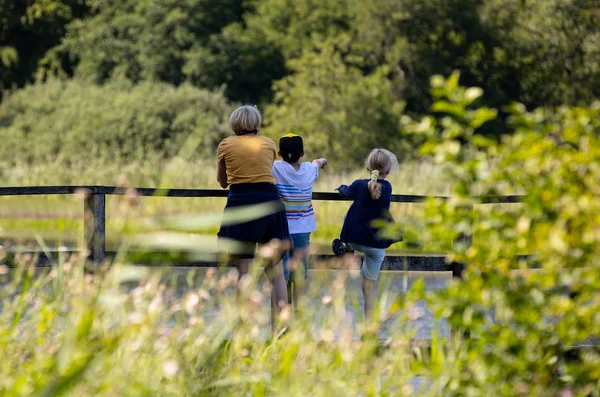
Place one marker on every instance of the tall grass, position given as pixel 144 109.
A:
pixel 134 332
pixel 414 177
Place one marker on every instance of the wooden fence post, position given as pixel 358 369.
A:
pixel 95 226
pixel 465 238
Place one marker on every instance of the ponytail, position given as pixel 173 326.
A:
pixel 379 160
pixel 374 186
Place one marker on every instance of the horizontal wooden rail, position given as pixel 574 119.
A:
pixel 161 192
pixel 95 206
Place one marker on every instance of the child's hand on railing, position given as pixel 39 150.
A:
pixel 321 163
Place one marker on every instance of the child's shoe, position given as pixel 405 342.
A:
pixel 338 248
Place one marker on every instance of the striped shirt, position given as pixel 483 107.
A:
pixel 295 189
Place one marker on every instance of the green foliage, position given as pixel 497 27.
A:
pixel 341 113
pixel 521 322
pixel 241 59
pixel 440 36
pixel 517 323
pixel 29 28
pixel 142 40
pixel 272 52
pixel 299 26
pixel 75 122
pixel 397 46
pixel 550 47
pixel 344 90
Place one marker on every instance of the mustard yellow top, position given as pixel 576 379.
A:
pixel 248 158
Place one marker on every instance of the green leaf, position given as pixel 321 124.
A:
pixel 481 116
pixel 452 81
pixel 472 93
pixel 449 108
pixel 437 81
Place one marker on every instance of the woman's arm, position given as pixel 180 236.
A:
pixel 222 174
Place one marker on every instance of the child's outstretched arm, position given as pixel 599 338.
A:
pixel 321 163
pixel 348 191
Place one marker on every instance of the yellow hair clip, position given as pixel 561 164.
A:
pixel 374 175
pixel 290 135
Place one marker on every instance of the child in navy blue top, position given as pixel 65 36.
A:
pixel 371 203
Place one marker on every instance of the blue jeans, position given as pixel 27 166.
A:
pixel 299 241
pixel 372 260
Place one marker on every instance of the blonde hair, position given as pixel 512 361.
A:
pixel 379 161
pixel 245 120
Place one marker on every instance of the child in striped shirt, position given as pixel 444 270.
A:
pixel 294 180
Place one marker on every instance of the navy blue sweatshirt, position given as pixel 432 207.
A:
pixel 358 225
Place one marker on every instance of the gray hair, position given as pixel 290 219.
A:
pixel 245 120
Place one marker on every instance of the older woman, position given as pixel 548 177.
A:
pixel 245 162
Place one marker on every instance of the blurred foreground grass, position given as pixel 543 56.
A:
pixel 131 331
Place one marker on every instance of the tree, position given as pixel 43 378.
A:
pixel 551 48
pixel 29 28
pixel 143 40
pixel 538 52
pixel 241 59
pixel 341 113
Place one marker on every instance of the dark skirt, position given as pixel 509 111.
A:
pixel 260 230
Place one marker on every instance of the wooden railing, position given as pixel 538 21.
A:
pixel 95 205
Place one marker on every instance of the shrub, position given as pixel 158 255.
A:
pixel 75 122
pixel 526 315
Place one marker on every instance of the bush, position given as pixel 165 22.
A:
pixel 75 122
pixel 527 316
